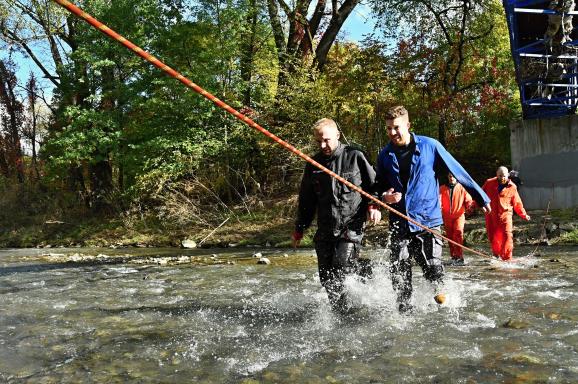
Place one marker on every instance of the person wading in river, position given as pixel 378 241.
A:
pixel 455 201
pixel 505 200
pixel 406 179
pixel 341 212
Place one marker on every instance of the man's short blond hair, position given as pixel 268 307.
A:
pixel 395 112
pixel 325 122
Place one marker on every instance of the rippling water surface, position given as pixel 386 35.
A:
pixel 243 322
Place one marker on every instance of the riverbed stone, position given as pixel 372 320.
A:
pixel 257 254
pixel 553 316
pixel 187 243
pixel 516 324
pixel 264 260
pixel 270 377
pixel 524 358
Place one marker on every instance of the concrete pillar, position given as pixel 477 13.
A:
pixel 545 152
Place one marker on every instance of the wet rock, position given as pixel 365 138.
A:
pixel 521 238
pixel 567 227
pixel 264 260
pixel 53 255
pixel 232 245
pixel 553 316
pixel 285 255
pixel 231 262
pixel 271 377
pixel 257 254
pixel 515 324
pixel 545 242
pixel 554 260
pixel 187 243
pixel 525 359
pixel 184 259
pixel 550 227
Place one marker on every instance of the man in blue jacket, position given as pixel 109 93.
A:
pixel 406 179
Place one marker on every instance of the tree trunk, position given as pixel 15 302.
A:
pixel 442 129
pixel 332 30
pixel 248 51
pixel 12 122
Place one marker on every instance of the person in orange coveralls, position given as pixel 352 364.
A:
pixel 505 199
pixel 455 201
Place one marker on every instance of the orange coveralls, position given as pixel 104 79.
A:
pixel 453 213
pixel 499 222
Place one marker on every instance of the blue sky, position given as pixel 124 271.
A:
pixel 359 24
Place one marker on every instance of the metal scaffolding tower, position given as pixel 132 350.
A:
pixel 545 51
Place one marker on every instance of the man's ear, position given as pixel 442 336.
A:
pixel 338 135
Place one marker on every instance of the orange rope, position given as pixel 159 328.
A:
pixel 221 104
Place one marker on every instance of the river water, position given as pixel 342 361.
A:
pixel 229 320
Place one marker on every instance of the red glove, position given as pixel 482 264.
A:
pixel 297 235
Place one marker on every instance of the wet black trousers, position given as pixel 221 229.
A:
pixel 425 249
pixel 335 260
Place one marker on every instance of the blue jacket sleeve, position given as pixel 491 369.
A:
pixel 462 176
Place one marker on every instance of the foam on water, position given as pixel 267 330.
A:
pixel 224 324
pixel 517 263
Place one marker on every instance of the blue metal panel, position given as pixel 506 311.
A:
pixel 545 64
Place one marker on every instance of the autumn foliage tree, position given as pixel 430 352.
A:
pixel 120 131
pixel 454 55
pixel 11 121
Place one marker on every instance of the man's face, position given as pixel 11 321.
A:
pixel 502 176
pixel 327 139
pixel 398 130
pixel 451 179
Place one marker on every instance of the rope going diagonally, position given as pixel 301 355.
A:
pixel 245 119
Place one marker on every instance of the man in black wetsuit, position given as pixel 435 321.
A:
pixel 341 212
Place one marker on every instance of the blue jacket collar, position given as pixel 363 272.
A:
pixel 416 139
